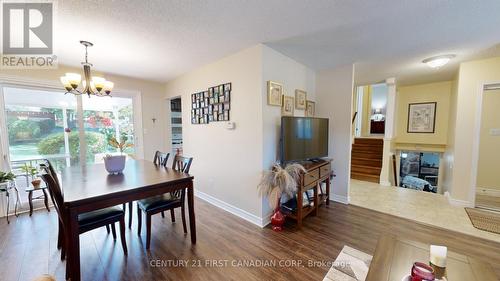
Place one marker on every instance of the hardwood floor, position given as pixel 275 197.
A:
pixel 28 246
pixel 488 202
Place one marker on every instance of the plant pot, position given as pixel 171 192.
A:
pixel 277 220
pixel 115 164
pixel 36 183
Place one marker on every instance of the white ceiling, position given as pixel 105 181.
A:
pixel 161 39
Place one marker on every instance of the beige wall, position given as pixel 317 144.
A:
pixel 292 75
pixel 488 175
pixel 334 97
pixel 151 94
pixel 470 79
pixel 435 92
pixel 227 164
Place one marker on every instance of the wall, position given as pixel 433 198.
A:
pixel 227 164
pixel 435 92
pixel 292 75
pixel 151 94
pixel 334 91
pixel 470 78
pixel 489 153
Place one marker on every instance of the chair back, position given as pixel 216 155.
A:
pixel 181 164
pixel 161 158
pixel 50 178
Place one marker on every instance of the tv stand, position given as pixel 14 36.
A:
pixel 317 172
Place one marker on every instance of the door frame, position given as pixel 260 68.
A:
pixel 477 135
pixel 54 86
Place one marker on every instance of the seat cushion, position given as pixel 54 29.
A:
pixel 97 216
pixel 158 202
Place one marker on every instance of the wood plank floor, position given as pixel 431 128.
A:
pixel 28 246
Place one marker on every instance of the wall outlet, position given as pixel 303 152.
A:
pixel 495 132
pixel 230 125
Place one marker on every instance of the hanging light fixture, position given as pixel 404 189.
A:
pixel 92 85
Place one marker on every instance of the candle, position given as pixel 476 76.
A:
pixel 438 255
pixel 438 260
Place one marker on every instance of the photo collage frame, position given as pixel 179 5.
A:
pixel 212 105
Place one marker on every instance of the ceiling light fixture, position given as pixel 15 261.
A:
pixel 92 85
pixel 438 61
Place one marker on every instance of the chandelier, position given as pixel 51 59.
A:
pixel 92 85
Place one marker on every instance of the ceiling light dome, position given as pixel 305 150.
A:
pixel 438 61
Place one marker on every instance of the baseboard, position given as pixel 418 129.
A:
pixel 457 202
pixel 340 199
pixel 488 191
pixel 261 222
pixel 385 183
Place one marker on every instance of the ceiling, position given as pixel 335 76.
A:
pixel 161 39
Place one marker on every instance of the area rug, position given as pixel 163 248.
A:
pixel 350 265
pixel 484 219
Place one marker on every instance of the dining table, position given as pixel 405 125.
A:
pixel 90 187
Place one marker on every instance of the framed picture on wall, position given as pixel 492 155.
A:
pixel 288 103
pixel 310 108
pixel 274 93
pixel 300 99
pixel 422 117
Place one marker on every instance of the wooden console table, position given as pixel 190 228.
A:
pixel 317 173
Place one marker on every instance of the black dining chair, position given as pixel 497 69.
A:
pixel 87 221
pixel 165 202
pixel 160 158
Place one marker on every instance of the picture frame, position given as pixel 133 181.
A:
pixel 300 99
pixel 422 117
pixel 274 93
pixel 310 108
pixel 288 106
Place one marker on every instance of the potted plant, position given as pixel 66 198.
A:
pixel 276 182
pixel 5 178
pixel 116 163
pixel 33 172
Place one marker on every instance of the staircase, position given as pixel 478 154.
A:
pixel 366 159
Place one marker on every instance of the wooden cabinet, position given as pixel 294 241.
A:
pixel 377 127
pixel 317 173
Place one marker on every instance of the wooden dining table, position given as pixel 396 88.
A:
pixel 88 188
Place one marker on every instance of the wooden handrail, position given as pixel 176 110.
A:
pixel 354 117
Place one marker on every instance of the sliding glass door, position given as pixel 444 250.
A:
pixel 41 124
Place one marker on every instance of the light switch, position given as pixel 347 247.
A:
pixel 495 132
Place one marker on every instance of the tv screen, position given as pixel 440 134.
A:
pixel 303 138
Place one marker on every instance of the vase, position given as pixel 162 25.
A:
pixel 277 220
pixel 115 164
pixel 36 183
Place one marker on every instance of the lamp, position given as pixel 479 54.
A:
pixel 438 61
pixel 92 85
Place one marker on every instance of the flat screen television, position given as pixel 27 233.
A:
pixel 303 138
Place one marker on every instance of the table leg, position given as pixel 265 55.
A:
pixel 46 199
pixel 328 191
pixel 73 247
pixel 17 201
pixel 30 201
pixel 8 200
pixel 315 200
pixel 300 199
pixel 192 224
pixel 130 211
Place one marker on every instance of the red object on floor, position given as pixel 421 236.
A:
pixel 277 220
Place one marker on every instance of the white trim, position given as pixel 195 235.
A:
pixel 457 202
pixel 385 183
pixel 340 198
pixel 476 140
pixel 232 209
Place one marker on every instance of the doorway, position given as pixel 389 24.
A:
pixel 370 109
pixel 487 175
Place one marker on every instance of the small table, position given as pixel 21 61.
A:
pixel 6 187
pixel 30 189
pixel 394 257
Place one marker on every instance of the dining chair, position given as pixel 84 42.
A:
pixel 160 159
pixel 87 221
pixel 165 202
